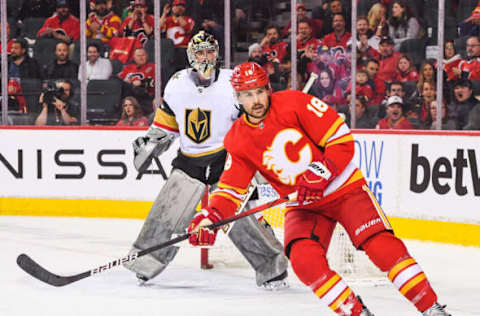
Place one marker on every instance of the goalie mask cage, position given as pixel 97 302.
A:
pixel 343 257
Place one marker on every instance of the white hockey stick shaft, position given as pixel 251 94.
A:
pixel 310 82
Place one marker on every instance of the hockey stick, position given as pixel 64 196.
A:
pixel 309 83
pixel 28 265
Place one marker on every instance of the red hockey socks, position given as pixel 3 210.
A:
pixel 389 253
pixel 310 265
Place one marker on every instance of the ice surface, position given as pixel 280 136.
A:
pixel 73 245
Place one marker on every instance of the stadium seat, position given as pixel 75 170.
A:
pixel 464 9
pixel 409 87
pixel 117 66
pixel 31 89
pixel 461 46
pixel 44 50
pixel 31 27
pixel 103 96
pixel 476 87
pixel 167 56
pixel 415 48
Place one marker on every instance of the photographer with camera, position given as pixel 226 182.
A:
pixel 139 79
pixel 56 107
pixel 139 24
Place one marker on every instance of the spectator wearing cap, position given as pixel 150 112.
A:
pixel 98 68
pixel 139 24
pixel 470 68
pixel 339 37
pixel 62 25
pixel 61 67
pixel 402 25
pixel 388 60
pixel 102 23
pixel 315 24
pixel 395 118
pixel 270 63
pixel 20 64
pixel 178 27
pixel 471 25
pixel 463 102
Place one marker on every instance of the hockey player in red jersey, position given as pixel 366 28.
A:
pixel 300 144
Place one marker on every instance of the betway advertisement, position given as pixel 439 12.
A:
pixel 428 176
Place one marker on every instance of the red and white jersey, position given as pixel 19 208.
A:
pixel 298 129
pixel 138 30
pixel 277 50
pixel 132 72
pixel 180 35
pixel 471 67
pixel 450 64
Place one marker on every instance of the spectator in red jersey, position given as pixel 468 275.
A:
pixel 378 84
pixel 270 64
pixel 395 118
pixel 10 40
pixel 16 100
pixel 315 24
pixel 406 70
pixel 103 24
pixel 402 25
pixel 325 89
pixel 271 43
pixel 470 68
pixel 339 37
pixel 139 24
pixel 62 25
pixel 132 114
pixel 388 60
pixel 139 79
pixel 451 60
pixel 362 87
pixel 305 39
pixel 178 27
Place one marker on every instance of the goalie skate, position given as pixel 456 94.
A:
pixel 436 310
pixel 276 284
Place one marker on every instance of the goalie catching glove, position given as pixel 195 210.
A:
pixel 314 180
pixel 202 236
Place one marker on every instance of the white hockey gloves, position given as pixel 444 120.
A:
pixel 154 143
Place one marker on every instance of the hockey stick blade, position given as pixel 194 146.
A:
pixel 31 267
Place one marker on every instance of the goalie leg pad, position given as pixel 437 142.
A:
pixel 170 214
pixel 260 247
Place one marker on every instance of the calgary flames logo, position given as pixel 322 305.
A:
pixel 197 124
pixel 275 158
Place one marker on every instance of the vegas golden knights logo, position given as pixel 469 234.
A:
pixel 197 124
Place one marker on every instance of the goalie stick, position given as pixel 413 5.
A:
pixel 30 266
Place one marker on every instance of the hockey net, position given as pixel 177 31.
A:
pixel 342 256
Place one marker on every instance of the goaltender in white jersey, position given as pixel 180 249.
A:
pixel 201 116
pixel 198 106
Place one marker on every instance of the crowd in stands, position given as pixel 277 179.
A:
pixel 395 80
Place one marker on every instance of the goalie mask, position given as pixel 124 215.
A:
pixel 203 41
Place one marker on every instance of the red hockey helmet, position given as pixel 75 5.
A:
pixel 249 76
